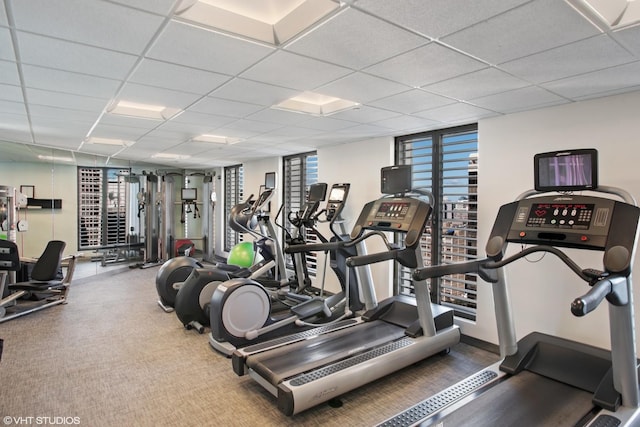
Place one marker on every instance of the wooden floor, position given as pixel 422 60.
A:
pixel 112 357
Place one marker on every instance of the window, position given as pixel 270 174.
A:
pixel 103 195
pixel 445 162
pixel 300 171
pixel 233 184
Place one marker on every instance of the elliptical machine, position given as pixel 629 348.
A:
pixel 193 298
pixel 244 311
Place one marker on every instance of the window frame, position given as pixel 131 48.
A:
pixel 458 292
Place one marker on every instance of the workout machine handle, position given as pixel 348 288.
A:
pixel 475 266
pixel 314 247
pixel 611 287
pixel 330 246
pixel 356 261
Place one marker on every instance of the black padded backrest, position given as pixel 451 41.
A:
pixel 47 266
pixel 9 257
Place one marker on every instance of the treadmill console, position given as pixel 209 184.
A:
pixel 561 220
pixel 398 214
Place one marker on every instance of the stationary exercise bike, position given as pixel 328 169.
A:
pixel 244 311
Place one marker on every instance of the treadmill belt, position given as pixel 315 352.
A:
pixel 290 360
pixel 523 400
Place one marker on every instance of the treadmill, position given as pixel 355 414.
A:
pixel 543 379
pixel 396 333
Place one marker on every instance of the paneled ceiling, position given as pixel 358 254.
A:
pixel 411 65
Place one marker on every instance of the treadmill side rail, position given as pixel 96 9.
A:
pixel 312 388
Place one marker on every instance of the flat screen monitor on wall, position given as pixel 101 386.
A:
pixel 567 170
pixel 395 179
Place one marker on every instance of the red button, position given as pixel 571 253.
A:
pixel 522 234
pixel 584 238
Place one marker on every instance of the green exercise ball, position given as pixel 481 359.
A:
pixel 242 255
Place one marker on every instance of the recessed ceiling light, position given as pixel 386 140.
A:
pixel 143 111
pixel 109 141
pixel 55 158
pixel 269 21
pixel 170 156
pixel 609 14
pixel 216 139
pixel 315 104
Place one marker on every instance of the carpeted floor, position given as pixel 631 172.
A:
pixel 112 357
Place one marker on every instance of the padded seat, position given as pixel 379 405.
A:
pixel 44 285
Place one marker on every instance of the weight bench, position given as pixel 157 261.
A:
pixel 43 290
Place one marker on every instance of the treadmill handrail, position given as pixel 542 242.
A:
pixel 623 194
pixel 330 246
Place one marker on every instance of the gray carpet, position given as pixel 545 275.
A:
pixel 112 357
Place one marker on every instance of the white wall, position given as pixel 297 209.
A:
pixel 359 164
pixel 50 181
pixel 542 291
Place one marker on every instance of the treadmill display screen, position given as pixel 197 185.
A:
pixel 392 210
pixel 560 215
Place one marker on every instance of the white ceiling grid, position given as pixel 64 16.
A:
pixel 413 65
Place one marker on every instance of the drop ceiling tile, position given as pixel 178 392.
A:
pixel 118 132
pixel 630 38
pixel 192 130
pixel 291 133
pixel 79 58
pixel 61 113
pixel 132 122
pixel 294 71
pixel 152 143
pixel 60 126
pixel 282 117
pixel 93 22
pixel 194 47
pixel 576 58
pixel 177 77
pixel 12 107
pixel 365 131
pixel 253 126
pixel 65 100
pixel 425 65
pixel 192 148
pixel 11 93
pixel 437 18
pixel 530 28
pixel 224 107
pixel 527 98
pixel 411 101
pixel 408 124
pixel 361 87
pixel 161 7
pixel 138 93
pixel 488 81
pixel 254 92
pixel 16 131
pixel 365 114
pixel 211 121
pixel 3 15
pixel 356 40
pixel 102 150
pixel 598 83
pixel 6 53
pixel 67 82
pixel 456 113
pixel 9 73
pixel 236 132
pixel 326 124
